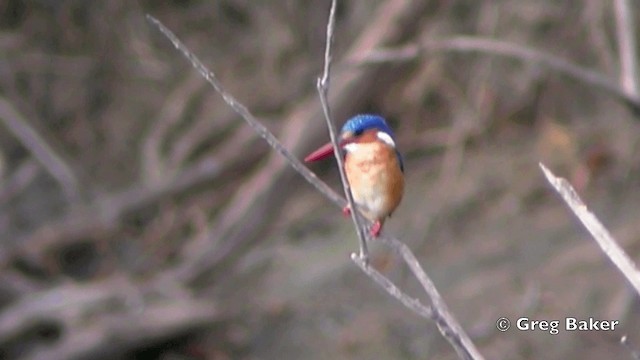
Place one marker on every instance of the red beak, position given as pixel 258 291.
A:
pixel 324 151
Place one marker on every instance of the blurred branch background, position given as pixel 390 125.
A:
pixel 140 218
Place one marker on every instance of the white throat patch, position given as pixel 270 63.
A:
pixel 351 147
pixel 386 138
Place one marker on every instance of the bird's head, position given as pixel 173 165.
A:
pixel 361 128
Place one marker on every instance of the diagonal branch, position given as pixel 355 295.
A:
pixel 447 324
pixel 604 239
pixel 323 91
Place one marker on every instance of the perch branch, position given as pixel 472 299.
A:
pixel 440 313
pixel 507 49
pixel 243 222
pixel 323 91
pixel 447 324
pixel 604 239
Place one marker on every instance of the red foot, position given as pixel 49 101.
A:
pixel 375 229
pixel 346 211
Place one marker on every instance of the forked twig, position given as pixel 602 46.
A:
pixel 447 324
pixel 604 239
pixel 323 90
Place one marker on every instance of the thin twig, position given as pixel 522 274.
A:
pixel 323 90
pixel 503 48
pixel 626 34
pixel 54 163
pixel 447 324
pixel 607 243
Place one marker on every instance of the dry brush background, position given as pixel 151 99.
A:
pixel 140 217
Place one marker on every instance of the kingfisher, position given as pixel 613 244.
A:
pixel 373 167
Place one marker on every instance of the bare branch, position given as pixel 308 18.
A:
pixel 604 239
pixel 447 324
pixel 40 149
pixel 503 48
pixel 323 90
pixel 303 127
pixel 626 31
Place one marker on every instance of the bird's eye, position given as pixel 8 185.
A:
pixel 358 132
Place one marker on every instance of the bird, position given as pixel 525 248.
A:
pixel 373 166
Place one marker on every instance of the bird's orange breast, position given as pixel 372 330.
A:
pixel 375 177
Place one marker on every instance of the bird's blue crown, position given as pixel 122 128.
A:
pixel 363 122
